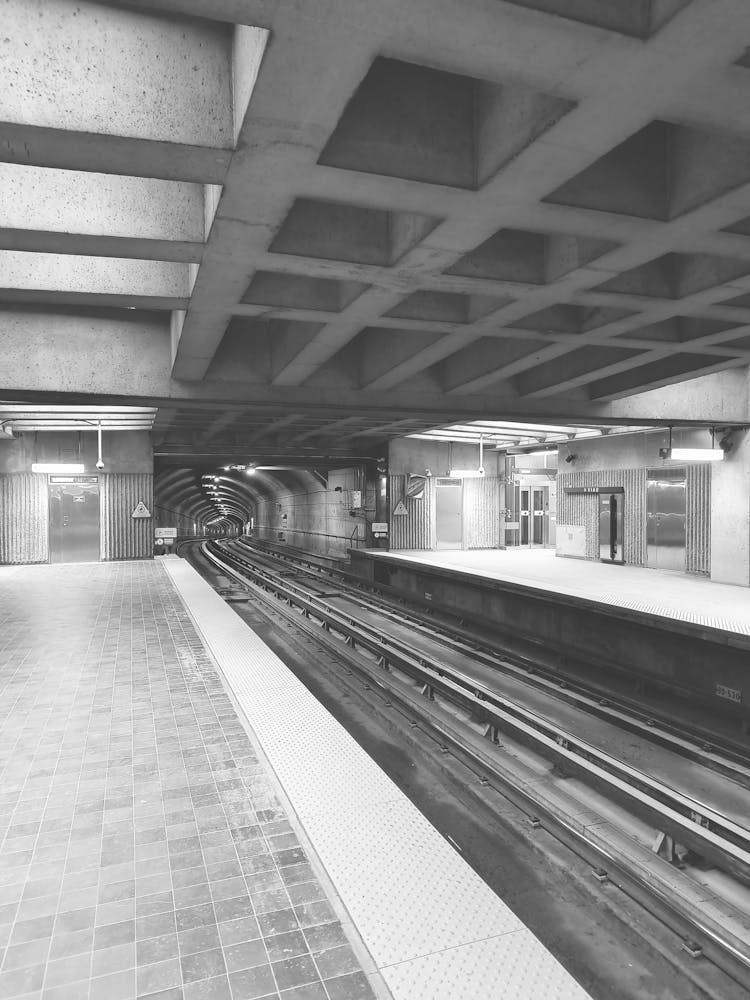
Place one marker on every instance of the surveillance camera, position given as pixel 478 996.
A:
pixel 570 458
pixel 100 464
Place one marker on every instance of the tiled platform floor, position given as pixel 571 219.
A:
pixel 143 850
pixel 686 597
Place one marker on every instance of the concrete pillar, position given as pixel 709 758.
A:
pixel 730 515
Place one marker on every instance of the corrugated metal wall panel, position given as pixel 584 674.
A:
pixel 582 509
pixel 481 513
pixel 698 518
pixel 24 518
pixel 123 536
pixel 415 529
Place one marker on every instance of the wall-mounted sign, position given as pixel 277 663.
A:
pixel 80 480
pixel 380 527
pixel 400 509
pixel 731 694
pixel 415 487
pixel 165 532
pixel 141 510
pixel 573 491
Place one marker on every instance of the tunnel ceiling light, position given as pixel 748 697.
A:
pixel 71 468
pixel 697 454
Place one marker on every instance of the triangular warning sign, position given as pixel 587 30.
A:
pixel 400 509
pixel 141 510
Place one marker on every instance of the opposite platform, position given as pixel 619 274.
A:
pixel 677 596
pixel 434 929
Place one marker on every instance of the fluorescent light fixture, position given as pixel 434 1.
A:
pixel 71 468
pixel 250 471
pixel 466 473
pixel 697 454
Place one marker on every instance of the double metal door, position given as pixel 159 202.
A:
pixel 533 512
pixel 665 519
pixel 74 521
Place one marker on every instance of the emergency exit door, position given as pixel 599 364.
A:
pixel 448 513
pixel 73 519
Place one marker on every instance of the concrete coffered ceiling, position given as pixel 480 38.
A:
pixel 305 227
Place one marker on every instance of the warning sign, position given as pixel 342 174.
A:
pixel 141 510
pixel 400 509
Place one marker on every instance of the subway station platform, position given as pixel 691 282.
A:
pixel 678 596
pixel 182 820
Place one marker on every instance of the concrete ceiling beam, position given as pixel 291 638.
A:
pixel 66 273
pixel 84 68
pixel 65 211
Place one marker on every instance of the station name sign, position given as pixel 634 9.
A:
pixel 578 491
pixel 80 480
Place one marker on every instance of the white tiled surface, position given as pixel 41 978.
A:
pixel 672 595
pixel 435 930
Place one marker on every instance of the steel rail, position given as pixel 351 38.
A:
pixel 694 823
pixel 705 748
pixel 700 933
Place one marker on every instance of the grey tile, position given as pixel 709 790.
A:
pixel 246 955
pixel 209 989
pixel 115 959
pixel 30 930
pixel 250 984
pixel 311 991
pixel 156 949
pixel 199 939
pixel 295 972
pixel 195 916
pixel 158 976
pixel 288 945
pixel 352 987
pixel 277 922
pixel 203 965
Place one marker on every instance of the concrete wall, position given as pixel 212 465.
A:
pixel 317 518
pixel 483 499
pixel 126 479
pixel 716 499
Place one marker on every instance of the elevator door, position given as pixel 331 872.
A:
pixel 665 519
pixel 74 520
pixel 448 513
pixel 534 515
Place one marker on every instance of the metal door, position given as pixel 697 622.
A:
pixel 525 514
pixel 665 519
pixel 611 539
pixel 538 516
pixel 448 513
pixel 74 520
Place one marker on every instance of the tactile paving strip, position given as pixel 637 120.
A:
pixel 433 927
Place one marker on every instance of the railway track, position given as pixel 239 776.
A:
pixel 711 749
pixel 467 716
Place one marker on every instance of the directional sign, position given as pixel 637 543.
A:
pixel 141 510
pixel 400 509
